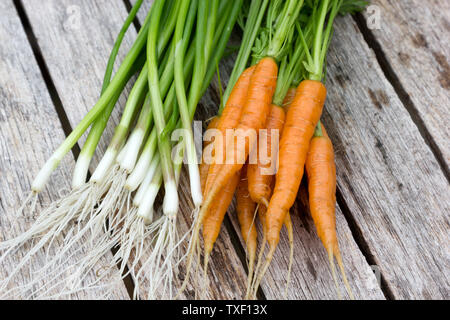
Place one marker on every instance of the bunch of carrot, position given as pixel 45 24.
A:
pixel 264 97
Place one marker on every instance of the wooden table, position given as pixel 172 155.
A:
pixel 387 114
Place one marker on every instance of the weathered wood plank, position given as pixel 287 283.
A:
pixel 390 179
pixel 30 130
pixel 413 36
pixel 76 58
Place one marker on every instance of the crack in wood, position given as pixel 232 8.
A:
pixel 361 242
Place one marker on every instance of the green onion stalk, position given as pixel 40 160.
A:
pixel 136 178
pixel 147 177
pixel 84 198
pixel 203 48
pixel 219 42
pixel 170 207
pixel 107 196
pixel 124 151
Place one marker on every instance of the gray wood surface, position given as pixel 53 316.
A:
pixel 388 176
pixel 413 36
pixel 30 130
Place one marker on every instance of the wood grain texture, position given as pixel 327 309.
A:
pixel 30 130
pixel 76 58
pixel 413 36
pixel 389 178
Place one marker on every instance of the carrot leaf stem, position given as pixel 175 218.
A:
pixel 255 16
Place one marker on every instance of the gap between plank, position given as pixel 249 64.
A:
pixel 57 103
pixel 361 242
pixel 404 97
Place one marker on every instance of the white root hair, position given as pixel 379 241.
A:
pixel 161 266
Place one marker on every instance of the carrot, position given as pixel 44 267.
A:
pixel 257 107
pixel 214 218
pixel 246 215
pixel 204 167
pixel 321 171
pixel 288 223
pixel 229 120
pixel 290 95
pixel 259 182
pixel 302 118
pixel 253 117
pixel 304 114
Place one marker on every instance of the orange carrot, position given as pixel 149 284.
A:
pixel 321 171
pixel 302 118
pixel 288 223
pixel 204 167
pixel 260 185
pixel 259 181
pixel 253 117
pixel 229 120
pixel 246 215
pixel 214 218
